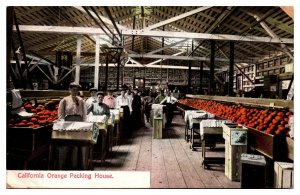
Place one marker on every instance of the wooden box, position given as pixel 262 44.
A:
pixel 253 171
pixel 157 128
pixel 82 136
pixel 283 175
pixel 235 134
pixel 272 146
pixel 77 135
pixel 235 144
pixel 232 160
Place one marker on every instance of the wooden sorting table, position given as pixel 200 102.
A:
pixel 117 126
pixel 210 136
pixel 104 138
pixel 80 139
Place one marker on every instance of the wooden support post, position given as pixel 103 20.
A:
pixel 118 70
pixel 133 27
pixel 9 33
pixel 162 52
pixel 58 55
pixel 18 65
pixel 189 77
pixel 97 53
pixel 201 78
pixel 23 53
pixel 190 72
pixel 106 72
pixel 231 67
pixel 123 72
pixel 212 68
pixel 77 70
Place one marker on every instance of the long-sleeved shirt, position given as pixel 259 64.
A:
pixel 130 98
pixel 110 101
pixel 169 99
pixel 99 109
pixel 123 101
pixel 71 106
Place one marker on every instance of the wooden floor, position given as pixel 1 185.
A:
pixel 171 162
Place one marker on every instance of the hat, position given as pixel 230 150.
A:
pixel 93 89
pixel 74 84
pixel 100 93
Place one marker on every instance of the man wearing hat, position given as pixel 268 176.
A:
pixel 92 99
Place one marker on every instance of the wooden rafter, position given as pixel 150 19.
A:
pixel 179 17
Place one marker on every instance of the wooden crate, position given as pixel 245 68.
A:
pixel 235 134
pixel 76 135
pixel 283 175
pixel 234 147
pixel 82 136
pixel 253 171
pixel 157 128
pixel 290 148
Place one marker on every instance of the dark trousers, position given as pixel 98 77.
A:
pixel 147 111
pixel 136 118
pixel 169 114
pixel 126 121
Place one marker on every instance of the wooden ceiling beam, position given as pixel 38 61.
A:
pixel 179 17
pixel 104 19
pixel 272 20
pixel 221 18
pixel 175 25
pixel 273 35
pixel 94 31
pixel 179 57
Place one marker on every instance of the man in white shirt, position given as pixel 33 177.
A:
pixel 129 94
pixel 170 102
pixel 92 99
pixel 123 102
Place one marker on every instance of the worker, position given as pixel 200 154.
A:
pixel 99 108
pixel 160 97
pixel 109 100
pixel 123 102
pixel 170 102
pixel 72 108
pixel 136 110
pixel 92 99
pixel 141 95
pixel 148 101
pixel 129 94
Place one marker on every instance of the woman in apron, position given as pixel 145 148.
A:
pixel 72 108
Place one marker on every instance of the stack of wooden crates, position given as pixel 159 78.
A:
pixel 158 120
pixel 284 174
pixel 235 144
